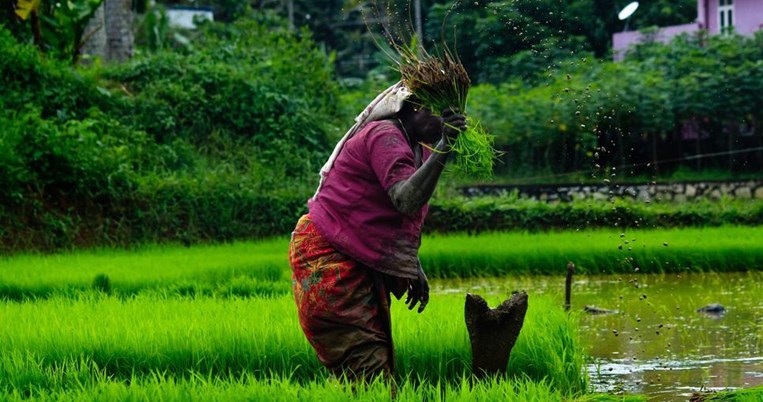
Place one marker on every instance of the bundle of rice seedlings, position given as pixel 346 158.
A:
pixel 441 83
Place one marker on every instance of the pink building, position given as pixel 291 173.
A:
pixel 715 16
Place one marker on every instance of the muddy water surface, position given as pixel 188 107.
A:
pixel 654 342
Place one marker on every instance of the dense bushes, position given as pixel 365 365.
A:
pixel 243 81
pixel 657 112
pixel 176 211
pixel 188 210
pixel 476 215
pixel 206 102
pixel 59 140
pixel 693 96
pixel 263 91
pixel 224 139
pixel 188 147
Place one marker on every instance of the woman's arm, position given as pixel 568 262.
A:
pixel 410 195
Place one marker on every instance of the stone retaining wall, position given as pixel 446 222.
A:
pixel 748 189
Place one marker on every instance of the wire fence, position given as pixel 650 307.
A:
pixel 639 165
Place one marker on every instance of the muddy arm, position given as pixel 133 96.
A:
pixel 410 195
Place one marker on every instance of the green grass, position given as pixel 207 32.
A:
pixel 59 342
pixel 253 268
pixel 261 268
pixel 246 388
pixel 754 394
pixel 720 249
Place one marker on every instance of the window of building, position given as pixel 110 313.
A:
pixel 725 15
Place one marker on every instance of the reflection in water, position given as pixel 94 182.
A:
pixel 665 338
pixel 675 378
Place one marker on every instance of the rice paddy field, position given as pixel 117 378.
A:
pixel 84 342
pixel 219 322
pixel 261 268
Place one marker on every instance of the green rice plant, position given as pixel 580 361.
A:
pixel 238 268
pixel 98 335
pixel 440 83
pixel 475 154
pixel 166 387
pixel 721 249
pixel 102 283
pixel 552 346
pixel 262 268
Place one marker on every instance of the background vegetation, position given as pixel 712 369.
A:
pixel 190 139
pixel 135 152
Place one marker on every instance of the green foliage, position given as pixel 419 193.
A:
pixel 186 210
pixel 63 27
pixel 123 154
pixel 478 29
pixel 190 102
pixel 270 54
pixel 64 155
pixel 208 94
pixel 89 157
pixel 57 28
pixel 474 215
pixel 153 30
pixel 589 115
pixel 241 84
pixel 28 79
pixel 536 127
pixel 500 40
pixel 215 208
pixel 58 146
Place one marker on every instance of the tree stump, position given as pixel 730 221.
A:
pixel 493 332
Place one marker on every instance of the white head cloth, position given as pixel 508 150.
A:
pixel 385 105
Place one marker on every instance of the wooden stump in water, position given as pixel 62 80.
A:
pixel 493 332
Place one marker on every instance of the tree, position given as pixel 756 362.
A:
pixel 57 28
pixel 119 35
pixel 489 34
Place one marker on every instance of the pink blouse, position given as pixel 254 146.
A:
pixel 353 211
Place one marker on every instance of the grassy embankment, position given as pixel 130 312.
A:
pixel 261 268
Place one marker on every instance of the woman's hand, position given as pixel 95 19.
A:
pixel 453 123
pixel 418 291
